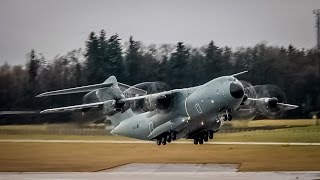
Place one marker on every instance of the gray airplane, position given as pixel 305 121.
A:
pixel 193 113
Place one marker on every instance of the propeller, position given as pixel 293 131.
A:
pixel 248 108
pixel 270 96
pixel 267 100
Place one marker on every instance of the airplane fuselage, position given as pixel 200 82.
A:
pixel 194 110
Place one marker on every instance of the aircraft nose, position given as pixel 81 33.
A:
pixel 236 90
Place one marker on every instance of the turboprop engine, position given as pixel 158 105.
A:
pixel 270 102
pixel 161 102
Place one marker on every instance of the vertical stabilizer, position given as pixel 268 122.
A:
pixel 109 93
pixel 114 93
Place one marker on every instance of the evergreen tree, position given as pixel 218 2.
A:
pixel 92 58
pixel 33 66
pixel 103 68
pixel 114 52
pixel 294 70
pixel 178 64
pixel 5 86
pixel 133 62
pixel 215 66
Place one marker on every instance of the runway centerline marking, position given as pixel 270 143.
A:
pixel 152 142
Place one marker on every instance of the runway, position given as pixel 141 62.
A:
pixel 167 172
pixel 151 142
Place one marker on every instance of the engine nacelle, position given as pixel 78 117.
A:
pixel 112 107
pixel 119 104
pixel 161 102
pixel 271 102
pixel 109 108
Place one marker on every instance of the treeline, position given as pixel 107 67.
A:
pixel 294 70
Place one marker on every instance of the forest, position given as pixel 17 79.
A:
pixel 296 71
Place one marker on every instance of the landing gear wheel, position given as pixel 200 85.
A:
pixel 159 141
pixel 164 141
pixel 225 117
pixel 173 136
pixel 229 118
pixel 200 141
pixel 195 141
pixel 168 137
pixel 210 134
pixel 205 136
pixel 205 139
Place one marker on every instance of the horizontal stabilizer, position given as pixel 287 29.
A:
pixel 76 90
pixel 130 91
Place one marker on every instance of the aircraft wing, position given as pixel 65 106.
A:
pixel 149 95
pixel 99 105
pixel 287 106
pixel 282 105
pixel 18 112
pixel 75 90
pixel 80 107
pixel 126 89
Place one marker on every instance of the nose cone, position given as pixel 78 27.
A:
pixel 236 90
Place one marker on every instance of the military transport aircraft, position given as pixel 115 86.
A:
pixel 193 113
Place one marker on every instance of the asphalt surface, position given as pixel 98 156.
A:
pixel 163 171
pixel 166 172
pixel 152 142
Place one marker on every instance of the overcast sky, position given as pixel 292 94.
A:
pixel 57 26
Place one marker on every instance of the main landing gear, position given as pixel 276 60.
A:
pixel 166 137
pixel 203 137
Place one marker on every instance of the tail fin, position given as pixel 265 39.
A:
pixel 109 93
pixel 114 92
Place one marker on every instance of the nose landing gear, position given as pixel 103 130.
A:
pixel 227 116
